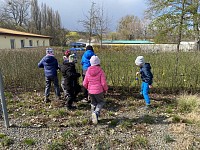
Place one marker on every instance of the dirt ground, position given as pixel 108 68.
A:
pixel 124 124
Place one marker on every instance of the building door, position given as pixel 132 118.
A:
pixel 30 43
pixel 22 43
pixel 12 43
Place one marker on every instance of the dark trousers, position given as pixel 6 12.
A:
pixel 48 86
pixel 97 102
pixel 70 91
pixel 72 94
pixel 85 91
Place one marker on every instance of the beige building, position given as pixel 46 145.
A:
pixel 11 39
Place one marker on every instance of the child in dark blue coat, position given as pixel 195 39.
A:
pixel 147 78
pixel 50 65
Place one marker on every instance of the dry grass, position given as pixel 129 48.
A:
pixel 190 106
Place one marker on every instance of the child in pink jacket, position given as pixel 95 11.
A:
pixel 95 83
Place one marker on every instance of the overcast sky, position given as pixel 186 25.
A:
pixel 71 11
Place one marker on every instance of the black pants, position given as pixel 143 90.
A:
pixel 85 91
pixel 72 94
pixel 71 90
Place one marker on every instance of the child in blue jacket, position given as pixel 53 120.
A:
pixel 85 62
pixel 147 78
pixel 50 65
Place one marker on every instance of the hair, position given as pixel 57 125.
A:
pixel 89 47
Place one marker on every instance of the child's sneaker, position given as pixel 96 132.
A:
pixel 147 107
pixel 47 100
pixel 85 100
pixel 94 118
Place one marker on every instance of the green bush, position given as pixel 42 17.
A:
pixel 20 70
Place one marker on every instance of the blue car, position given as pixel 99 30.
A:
pixel 77 46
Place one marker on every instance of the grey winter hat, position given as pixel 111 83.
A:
pixel 49 51
pixel 139 60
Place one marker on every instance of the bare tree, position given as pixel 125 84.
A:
pixel 17 11
pixel 90 22
pixel 130 27
pixel 101 24
pixel 35 17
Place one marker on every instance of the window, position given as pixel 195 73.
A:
pixel 22 43
pixel 30 43
pixel 43 43
pixel 38 43
pixel 12 43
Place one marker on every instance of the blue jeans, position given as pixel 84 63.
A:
pixel 145 92
pixel 48 86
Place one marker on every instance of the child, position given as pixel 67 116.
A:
pixel 50 65
pixel 69 82
pixel 66 55
pixel 85 62
pixel 146 76
pixel 95 83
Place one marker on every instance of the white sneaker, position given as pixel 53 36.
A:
pixel 94 118
pixel 85 100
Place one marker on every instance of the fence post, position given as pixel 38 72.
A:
pixel 3 102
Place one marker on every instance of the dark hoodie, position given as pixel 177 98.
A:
pixel 146 74
pixel 50 65
pixel 70 74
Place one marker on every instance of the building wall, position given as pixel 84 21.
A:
pixel 9 42
pixel 158 47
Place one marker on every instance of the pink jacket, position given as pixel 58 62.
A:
pixel 95 80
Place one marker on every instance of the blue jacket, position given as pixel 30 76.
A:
pixel 85 61
pixel 50 65
pixel 146 74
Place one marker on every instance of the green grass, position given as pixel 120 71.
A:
pixel 6 141
pixel 2 135
pixel 176 119
pixel 113 123
pixel 168 139
pixel 139 142
pixel 29 141
pixel 126 124
pixel 56 146
pixel 148 119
